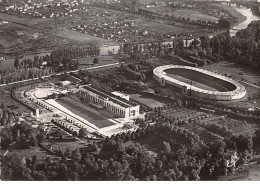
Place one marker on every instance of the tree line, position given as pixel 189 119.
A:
pixel 181 156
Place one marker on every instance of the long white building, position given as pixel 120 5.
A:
pixel 112 102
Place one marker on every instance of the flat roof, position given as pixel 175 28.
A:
pixel 110 96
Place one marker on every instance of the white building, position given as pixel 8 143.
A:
pixel 121 95
pixel 112 102
pixel 65 83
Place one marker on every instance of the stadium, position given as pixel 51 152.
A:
pixel 199 83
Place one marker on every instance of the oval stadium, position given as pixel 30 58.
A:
pixel 199 83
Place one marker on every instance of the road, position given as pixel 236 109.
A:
pixel 250 84
pixel 91 68
pixel 6 153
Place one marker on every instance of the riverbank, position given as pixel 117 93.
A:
pixel 232 10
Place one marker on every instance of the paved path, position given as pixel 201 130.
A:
pixel 6 152
pixel 250 84
pixel 91 68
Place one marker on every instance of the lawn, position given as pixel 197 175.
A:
pixel 147 100
pixel 94 116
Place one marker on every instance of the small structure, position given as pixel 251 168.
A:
pixel 121 95
pixel 233 158
pixel 65 83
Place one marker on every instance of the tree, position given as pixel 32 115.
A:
pixel 39 176
pixel 67 152
pixel 83 132
pixel 40 137
pixel 224 23
pixel 257 138
pixel 6 137
pixel 217 148
pixel 66 62
pixel 166 147
pixel 16 62
pixel 76 155
pixel 96 61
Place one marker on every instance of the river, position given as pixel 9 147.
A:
pixel 243 10
pixel 249 15
pixel 104 50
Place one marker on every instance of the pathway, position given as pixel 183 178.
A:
pixel 91 68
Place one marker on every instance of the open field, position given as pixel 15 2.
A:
pixel 194 15
pixel 103 60
pixel 26 21
pixel 28 153
pixel 238 127
pixel 248 77
pixel 147 100
pixel 92 115
pixel 79 37
pixel 158 27
pixel 194 83
pixel 239 16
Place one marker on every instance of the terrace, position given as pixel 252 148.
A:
pixel 109 96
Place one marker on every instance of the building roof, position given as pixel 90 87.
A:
pixel 109 96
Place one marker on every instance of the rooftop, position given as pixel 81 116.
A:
pixel 109 96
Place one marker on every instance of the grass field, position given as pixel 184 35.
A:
pixel 158 27
pixel 103 60
pixel 238 127
pixel 145 99
pixel 94 116
pixel 249 77
pixel 194 15
pixel 28 153
pixel 194 83
pixel 79 37
pixel 239 16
